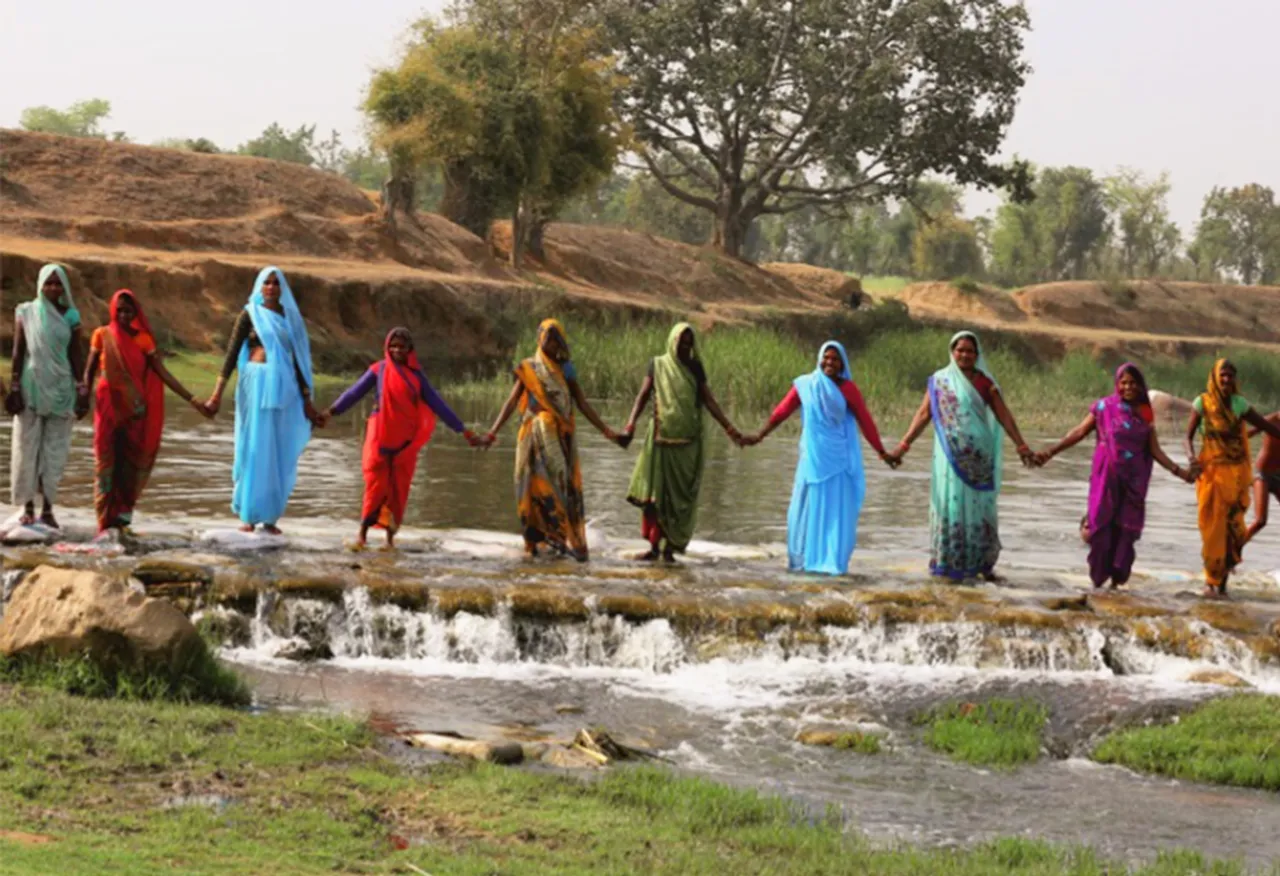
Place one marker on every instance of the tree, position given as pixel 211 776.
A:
pixel 81 119
pixel 519 122
pixel 946 248
pixel 1240 230
pixel 1061 234
pixel 788 105
pixel 1148 237
pixel 189 144
pixel 280 145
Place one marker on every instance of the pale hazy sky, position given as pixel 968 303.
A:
pixel 1180 85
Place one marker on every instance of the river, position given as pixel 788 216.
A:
pixel 733 716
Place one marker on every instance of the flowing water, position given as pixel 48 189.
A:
pixel 732 711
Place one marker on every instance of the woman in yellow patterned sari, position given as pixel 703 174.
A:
pixel 1222 490
pixel 548 477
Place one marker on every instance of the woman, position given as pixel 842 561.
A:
pixel 548 477
pixel 405 408
pixel 130 413
pixel 668 474
pixel 969 418
pixel 1127 445
pixel 822 522
pixel 47 356
pixel 274 413
pixel 1222 491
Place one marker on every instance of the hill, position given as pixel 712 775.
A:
pixel 189 231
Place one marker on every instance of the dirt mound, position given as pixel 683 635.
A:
pixel 944 301
pixel 821 283
pixel 614 258
pixel 1151 307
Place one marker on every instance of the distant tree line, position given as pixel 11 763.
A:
pixel 841 134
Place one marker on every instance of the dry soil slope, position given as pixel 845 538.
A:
pixel 188 231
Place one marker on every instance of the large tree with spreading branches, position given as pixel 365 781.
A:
pixel 753 108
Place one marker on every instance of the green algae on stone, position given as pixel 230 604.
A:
pixel 473 600
pixel 152 572
pixel 548 603
pixel 326 589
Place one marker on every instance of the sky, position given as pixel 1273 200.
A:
pixel 1181 86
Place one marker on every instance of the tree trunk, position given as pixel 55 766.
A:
pixel 466 201
pixel 517 237
pixel 537 237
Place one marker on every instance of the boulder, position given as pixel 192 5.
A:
pixel 65 612
pixel 1217 676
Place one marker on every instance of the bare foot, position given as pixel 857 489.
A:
pixel 271 529
pixel 650 556
pixel 47 518
pixel 530 550
pixel 668 556
pixel 247 527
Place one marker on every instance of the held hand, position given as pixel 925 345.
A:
pixel 627 436
pixel 1042 457
pixel 751 440
pixel 309 410
pixel 201 407
pixel 212 405
pixel 1027 456
pixel 488 440
pixel 13 402
pixel 891 460
pixel 82 401
pixel 735 436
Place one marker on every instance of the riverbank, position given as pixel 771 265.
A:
pixel 103 785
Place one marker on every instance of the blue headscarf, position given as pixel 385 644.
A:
pixel 829 444
pixel 284 338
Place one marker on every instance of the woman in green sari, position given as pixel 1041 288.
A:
pixel 969 421
pixel 668 473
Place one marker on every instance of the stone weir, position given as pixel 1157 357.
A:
pixel 430 605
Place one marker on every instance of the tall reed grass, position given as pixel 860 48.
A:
pixel 750 368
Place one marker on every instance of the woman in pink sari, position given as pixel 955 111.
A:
pixel 1127 446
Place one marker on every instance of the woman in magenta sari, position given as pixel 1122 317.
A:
pixel 1127 446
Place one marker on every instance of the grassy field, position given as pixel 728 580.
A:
pixel 1229 741
pixel 999 733
pixel 96 786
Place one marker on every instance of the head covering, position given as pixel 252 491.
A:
pixel 1223 429
pixel 829 441
pixel 283 336
pixel 1144 398
pixel 48 386
pixel 679 406
pixel 545 330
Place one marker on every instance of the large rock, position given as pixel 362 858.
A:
pixel 65 612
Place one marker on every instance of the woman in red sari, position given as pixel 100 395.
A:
pixel 130 409
pixel 403 418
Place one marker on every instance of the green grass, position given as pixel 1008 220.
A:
pixel 750 368
pixel 861 743
pixel 1230 741
pixel 310 794
pixel 886 286
pixel 1000 733
pixel 199 678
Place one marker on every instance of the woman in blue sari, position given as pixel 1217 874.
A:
pixel 822 522
pixel 969 421
pixel 274 414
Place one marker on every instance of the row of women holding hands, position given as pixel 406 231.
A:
pixel 274 414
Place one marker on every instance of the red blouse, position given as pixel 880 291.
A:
pixel 791 403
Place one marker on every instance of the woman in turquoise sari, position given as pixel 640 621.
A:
pixel 274 414
pixel 822 522
pixel 969 421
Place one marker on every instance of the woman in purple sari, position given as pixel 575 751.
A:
pixel 1127 446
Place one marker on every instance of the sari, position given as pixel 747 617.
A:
pixel 42 432
pixel 830 484
pixel 1222 491
pixel 397 430
pixel 668 473
pixel 963 524
pixel 548 478
pixel 271 427
pixel 128 417
pixel 1119 479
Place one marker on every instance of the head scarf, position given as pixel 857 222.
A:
pixel 967 429
pixel 402 418
pixel 1135 372
pixel 829 442
pixel 1224 430
pixel 678 405
pixel 544 379
pixel 48 386
pixel 284 338
pixel 124 364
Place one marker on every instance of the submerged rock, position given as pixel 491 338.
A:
pixel 67 613
pixel 1217 676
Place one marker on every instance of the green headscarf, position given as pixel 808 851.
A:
pixel 676 390
pixel 48 386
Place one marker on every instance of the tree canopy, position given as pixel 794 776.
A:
pixel 81 119
pixel 772 107
pixel 1240 231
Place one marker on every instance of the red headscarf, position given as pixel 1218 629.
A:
pixel 129 390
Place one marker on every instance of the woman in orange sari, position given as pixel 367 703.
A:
pixel 1220 415
pixel 548 477
pixel 404 416
pixel 130 409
